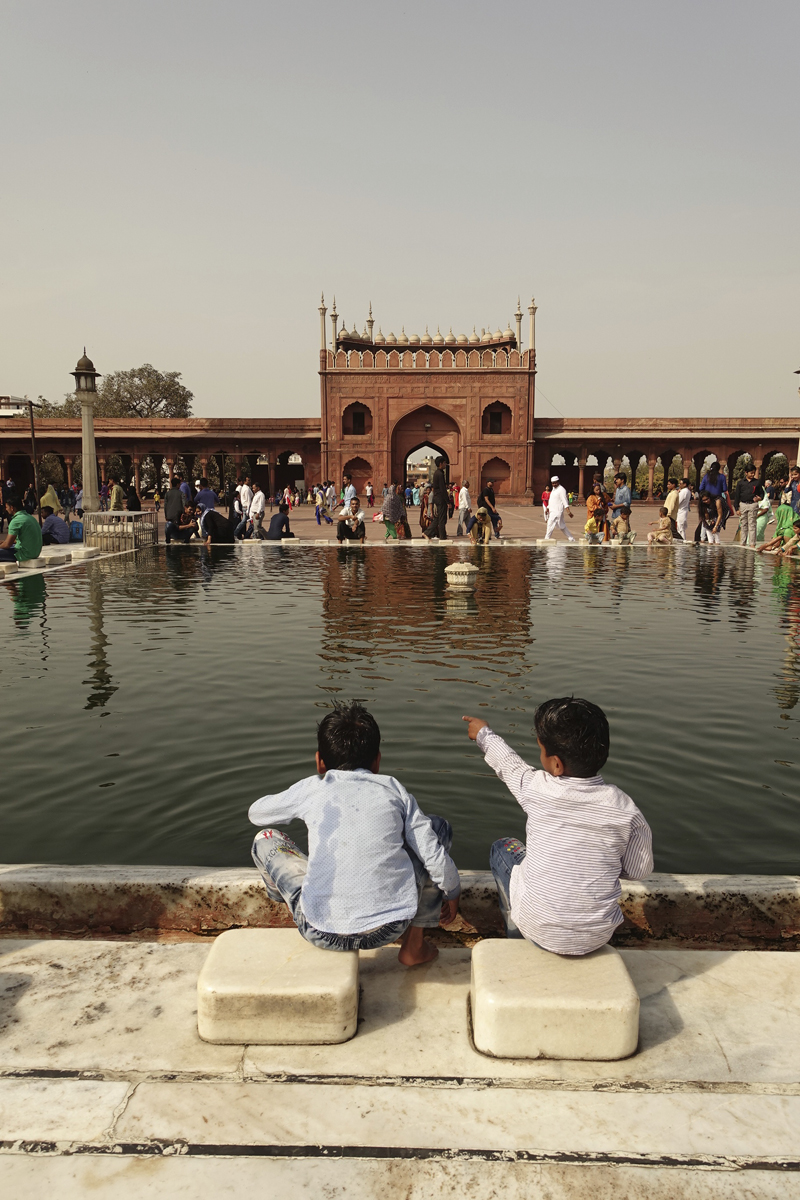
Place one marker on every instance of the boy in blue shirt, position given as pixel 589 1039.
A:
pixel 377 868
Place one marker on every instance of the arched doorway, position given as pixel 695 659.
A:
pixel 420 464
pixel 289 470
pixel 426 426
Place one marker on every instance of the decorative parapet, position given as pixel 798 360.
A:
pixel 425 360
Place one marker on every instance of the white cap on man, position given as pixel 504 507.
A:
pixel 554 479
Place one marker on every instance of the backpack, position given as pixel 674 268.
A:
pixel 76 531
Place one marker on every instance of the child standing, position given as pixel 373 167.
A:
pixel 377 869
pixel 583 835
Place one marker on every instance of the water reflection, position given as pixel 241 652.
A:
pixel 101 682
pixel 29 599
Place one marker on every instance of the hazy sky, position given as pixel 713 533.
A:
pixel 182 178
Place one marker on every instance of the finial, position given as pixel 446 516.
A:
pixel 370 308
pixel 323 297
pixel 84 351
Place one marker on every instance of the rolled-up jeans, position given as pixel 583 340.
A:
pixel 283 867
pixel 748 516
pixel 505 854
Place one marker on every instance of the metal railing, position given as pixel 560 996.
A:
pixel 120 530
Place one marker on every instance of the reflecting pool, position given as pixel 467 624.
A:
pixel 148 700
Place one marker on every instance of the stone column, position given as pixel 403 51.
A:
pixel 687 462
pixel 204 468
pixel 170 467
pixel 651 470
pixel 68 463
pixel 91 502
pixel 137 478
pixel 581 480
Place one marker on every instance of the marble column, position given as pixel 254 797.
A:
pixel 91 502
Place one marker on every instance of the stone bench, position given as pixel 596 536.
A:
pixel 270 987
pixel 528 1003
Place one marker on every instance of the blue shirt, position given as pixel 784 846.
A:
pixel 359 873
pixel 350 493
pixel 794 488
pixel 187 491
pixel 205 497
pixel 622 495
pixel 58 529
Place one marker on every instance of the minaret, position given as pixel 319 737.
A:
pixel 518 317
pixel 334 319
pixel 322 311
pixel 370 322
pixel 86 391
pixel 532 314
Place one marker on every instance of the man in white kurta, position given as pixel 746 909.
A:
pixel 556 507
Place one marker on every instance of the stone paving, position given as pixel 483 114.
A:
pixel 106 1088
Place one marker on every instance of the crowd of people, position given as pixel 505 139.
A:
pixel 608 510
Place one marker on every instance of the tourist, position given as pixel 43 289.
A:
pixel 788 546
pixel 747 495
pixel 425 508
pixel 245 497
pixel 784 528
pixel 182 529
pixel 684 504
pixel 408 494
pixel 378 869
pixel 55 531
pixel 715 485
pixel 102 497
pixel 350 525
pixel 51 499
pixel 330 495
pixel 671 504
pixel 186 489
pixel 562 890
pixel 662 534
pixel 23 541
pixel 622 496
pixel 452 497
pixel 205 495
pixel 464 508
pixel 622 527
pixel 258 506
pixel 385 492
pixel 438 503
pixel 157 499
pixel 557 506
pixel 370 490
pixel 321 509
pixel 545 502
pixel 79 502
pixel 596 507
pixel 216 529
pixel 415 495
pixel 479 527
pixel 594 527
pixel 116 496
pixel 395 518
pixel 486 499
pixel 763 517
pixel 793 489
pixel 348 491
pixel 132 501
pixel 278 525
pixel 707 529
pixel 173 503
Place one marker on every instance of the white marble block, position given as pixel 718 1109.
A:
pixel 528 1003
pixel 270 987
pixel 82 552
pixel 32 564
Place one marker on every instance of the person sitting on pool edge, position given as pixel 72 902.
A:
pixel 377 869
pixel 278 525
pixel 351 523
pixel 561 891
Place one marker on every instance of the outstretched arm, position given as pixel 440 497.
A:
pixel 515 773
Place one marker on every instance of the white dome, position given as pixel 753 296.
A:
pixel 451 337
pixel 414 339
pixel 509 333
pixel 427 340
pixel 463 340
pixel 498 335
pixel 380 340
pixel 391 340
pixel 474 339
pixel 438 339
pixel 403 339
pixel 486 335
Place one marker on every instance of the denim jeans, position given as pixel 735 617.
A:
pixel 505 854
pixel 172 531
pixel 283 866
pixel 241 529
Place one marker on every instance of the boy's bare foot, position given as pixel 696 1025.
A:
pixel 415 949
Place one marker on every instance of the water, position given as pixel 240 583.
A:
pixel 148 700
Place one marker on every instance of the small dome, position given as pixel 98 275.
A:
pixel 438 340
pixel 486 335
pixel 463 340
pixel 391 340
pixel 509 334
pixel 474 339
pixel 84 362
pixel 450 340
pixel 414 339
pixel 403 339
pixel 498 335
pixel 365 335
pixel 343 331
pixel 427 340
pixel 380 340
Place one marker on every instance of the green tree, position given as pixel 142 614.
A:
pixel 141 392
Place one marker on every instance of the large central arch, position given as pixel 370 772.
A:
pixel 426 426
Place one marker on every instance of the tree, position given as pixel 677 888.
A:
pixel 141 392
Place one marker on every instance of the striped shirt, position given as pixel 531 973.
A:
pixel 583 835
pixel 360 829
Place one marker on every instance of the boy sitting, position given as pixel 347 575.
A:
pixel 594 528
pixel 622 526
pixel 377 869
pixel 583 835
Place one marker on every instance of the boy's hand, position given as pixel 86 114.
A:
pixel 475 726
pixel 449 911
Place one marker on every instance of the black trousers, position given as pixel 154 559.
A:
pixel 438 525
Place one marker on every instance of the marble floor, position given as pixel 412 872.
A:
pixel 106 1089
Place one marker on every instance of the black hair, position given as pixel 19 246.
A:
pixel 439 460
pixel 204 482
pixel 284 508
pixel 348 738
pixel 577 731
pixel 15 501
pixel 673 481
pixel 621 475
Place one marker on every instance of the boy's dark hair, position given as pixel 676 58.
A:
pixel 14 501
pixel 284 507
pixel 348 738
pixel 626 512
pixel 577 731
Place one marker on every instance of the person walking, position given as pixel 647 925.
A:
pixel 487 500
pixel 116 497
pixel 558 505
pixel 747 496
pixel 438 526
pixel 671 501
pixel 257 509
pixel 370 490
pixel 464 508
pixel 245 499
pixel 545 502
pixel 684 504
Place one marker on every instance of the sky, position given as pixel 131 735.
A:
pixel 183 178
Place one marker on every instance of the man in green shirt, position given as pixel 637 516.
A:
pixel 115 495
pixel 24 539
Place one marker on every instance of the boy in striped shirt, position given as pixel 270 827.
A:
pixel 561 892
